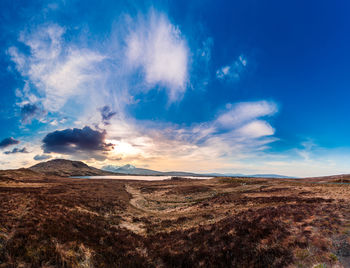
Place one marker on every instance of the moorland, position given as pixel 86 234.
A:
pixel 52 221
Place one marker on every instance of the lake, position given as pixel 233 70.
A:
pixel 131 177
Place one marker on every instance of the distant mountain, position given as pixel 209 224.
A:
pixel 132 170
pixel 255 175
pixel 68 168
pixel 269 176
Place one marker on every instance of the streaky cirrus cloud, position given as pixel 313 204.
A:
pixel 245 111
pixel 8 142
pixel 239 125
pixel 152 54
pixel 54 70
pixel 236 133
pixel 157 47
pixel 59 70
pixel 76 142
pixel 17 150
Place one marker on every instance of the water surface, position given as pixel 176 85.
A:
pixel 133 177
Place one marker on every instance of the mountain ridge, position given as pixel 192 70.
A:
pixel 132 170
pixel 71 168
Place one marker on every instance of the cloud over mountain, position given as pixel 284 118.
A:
pixel 77 141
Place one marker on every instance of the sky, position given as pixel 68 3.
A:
pixel 203 86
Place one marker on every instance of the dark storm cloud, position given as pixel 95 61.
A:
pixel 107 114
pixel 71 141
pixel 39 157
pixel 17 150
pixel 29 111
pixel 7 142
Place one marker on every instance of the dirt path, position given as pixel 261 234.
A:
pixel 137 200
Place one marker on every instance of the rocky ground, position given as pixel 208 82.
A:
pixel 48 221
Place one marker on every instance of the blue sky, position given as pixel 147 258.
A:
pixel 224 86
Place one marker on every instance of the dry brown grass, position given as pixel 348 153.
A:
pixel 56 222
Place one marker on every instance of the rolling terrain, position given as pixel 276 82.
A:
pixel 68 168
pixel 51 221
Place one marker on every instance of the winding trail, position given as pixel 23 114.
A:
pixel 137 200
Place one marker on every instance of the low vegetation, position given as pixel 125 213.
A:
pixel 59 222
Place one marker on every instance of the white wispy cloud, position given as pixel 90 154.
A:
pixel 57 71
pixel 165 146
pixel 256 129
pixel 233 71
pixel 157 46
pixel 245 111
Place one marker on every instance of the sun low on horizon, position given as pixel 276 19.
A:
pixel 230 87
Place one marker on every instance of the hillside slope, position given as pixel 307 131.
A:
pixel 68 168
